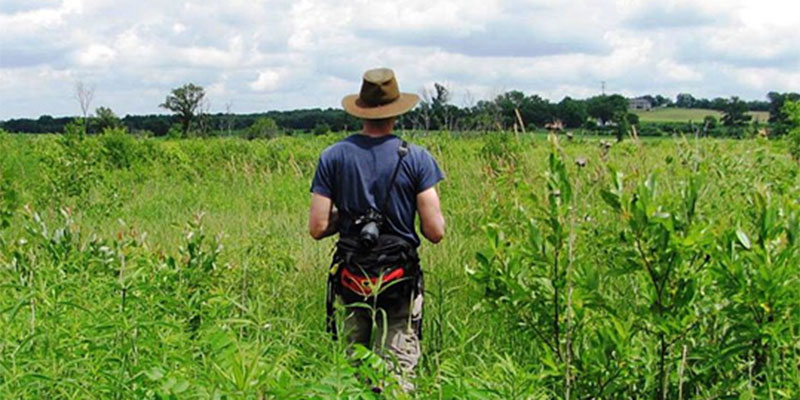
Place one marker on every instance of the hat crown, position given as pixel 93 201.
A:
pixel 379 87
pixel 379 97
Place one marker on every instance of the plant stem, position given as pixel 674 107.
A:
pixel 568 322
pixel 662 364
pixel 680 373
pixel 556 330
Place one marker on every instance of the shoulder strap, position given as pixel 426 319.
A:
pixel 402 151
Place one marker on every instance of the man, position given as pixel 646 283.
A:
pixel 375 176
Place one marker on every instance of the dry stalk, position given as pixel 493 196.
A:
pixel 680 373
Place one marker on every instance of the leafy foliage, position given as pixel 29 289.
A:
pixel 185 101
pixel 112 285
pixel 791 112
pixel 263 128
pixel 104 118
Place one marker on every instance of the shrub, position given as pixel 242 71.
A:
pixel 501 150
pixel 175 132
pixel 791 109
pixel 321 129
pixel 710 122
pixel 8 202
pixel 263 128
pixel 119 148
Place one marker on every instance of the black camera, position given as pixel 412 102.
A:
pixel 370 224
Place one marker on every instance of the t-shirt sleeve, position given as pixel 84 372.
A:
pixel 322 183
pixel 428 172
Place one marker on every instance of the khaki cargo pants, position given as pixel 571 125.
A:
pixel 396 340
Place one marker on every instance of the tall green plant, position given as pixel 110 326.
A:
pixel 665 252
pixel 759 280
pixel 540 286
pixel 791 111
pixel 9 201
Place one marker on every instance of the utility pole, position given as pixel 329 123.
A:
pixel 603 87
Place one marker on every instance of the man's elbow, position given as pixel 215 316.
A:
pixel 317 232
pixel 434 234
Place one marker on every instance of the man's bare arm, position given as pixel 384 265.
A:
pixel 430 215
pixel 323 217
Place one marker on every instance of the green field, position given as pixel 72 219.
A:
pixel 174 269
pixel 689 114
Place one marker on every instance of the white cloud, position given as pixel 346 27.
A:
pixel 267 81
pixel 283 54
pixel 96 55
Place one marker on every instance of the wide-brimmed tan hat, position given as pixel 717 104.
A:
pixel 379 97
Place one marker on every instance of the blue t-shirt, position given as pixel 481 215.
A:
pixel 355 172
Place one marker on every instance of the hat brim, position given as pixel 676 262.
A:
pixel 402 105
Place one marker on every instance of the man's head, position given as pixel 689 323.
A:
pixel 379 98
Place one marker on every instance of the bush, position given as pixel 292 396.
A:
pixel 791 109
pixel 710 122
pixel 119 148
pixel 321 129
pixel 8 202
pixel 501 150
pixel 263 128
pixel 175 132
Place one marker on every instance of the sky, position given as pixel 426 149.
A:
pixel 254 56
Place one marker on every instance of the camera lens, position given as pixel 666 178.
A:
pixel 369 234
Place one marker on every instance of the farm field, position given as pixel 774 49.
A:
pixel 170 269
pixel 689 114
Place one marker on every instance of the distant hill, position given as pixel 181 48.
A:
pixel 672 114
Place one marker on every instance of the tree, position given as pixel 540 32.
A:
pixel 229 117
pixel 263 128
pixel 537 111
pixel 735 113
pixel 321 129
pixel 776 116
pixel 605 108
pixel 661 101
pixel 719 104
pixel 485 115
pixel 572 112
pixel 791 112
pixel 104 119
pixel 633 119
pixel 184 102
pixel 84 93
pixel 709 124
pixel 623 125
pixel 441 109
pixel 424 112
pixel 685 100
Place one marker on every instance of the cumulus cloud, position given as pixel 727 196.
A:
pixel 267 81
pixel 283 54
pixel 650 15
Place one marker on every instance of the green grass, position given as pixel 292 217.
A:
pixel 130 297
pixel 688 114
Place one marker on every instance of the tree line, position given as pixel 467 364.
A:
pixel 512 110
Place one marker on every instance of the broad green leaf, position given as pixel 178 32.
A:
pixel 743 239
pixel 612 199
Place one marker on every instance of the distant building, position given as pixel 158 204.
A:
pixel 640 103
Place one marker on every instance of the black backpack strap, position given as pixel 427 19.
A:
pixel 402 151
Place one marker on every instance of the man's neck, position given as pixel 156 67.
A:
pixel 376 134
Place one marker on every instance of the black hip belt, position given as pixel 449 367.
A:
pixel 361 270
pixel 389 268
